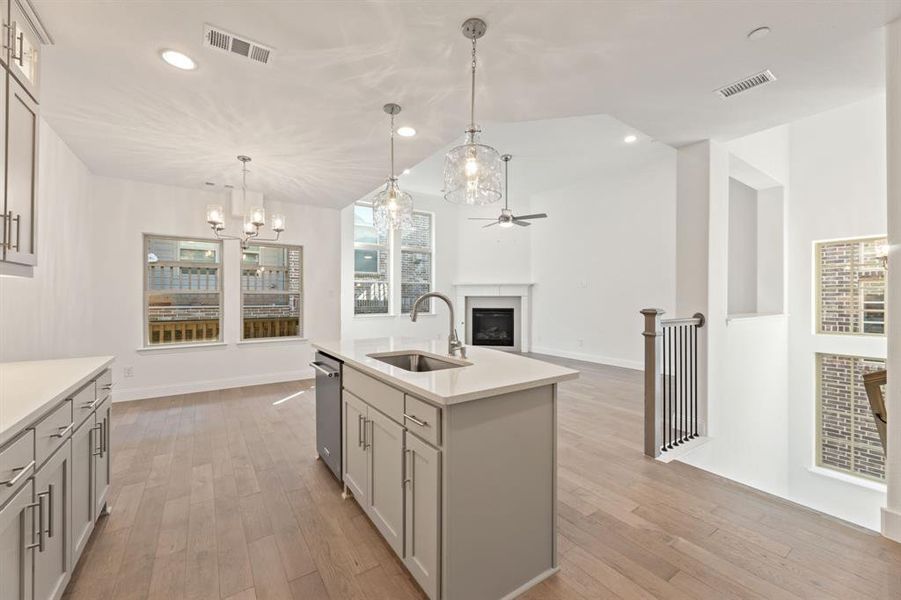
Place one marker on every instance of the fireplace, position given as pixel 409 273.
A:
pixel 493 327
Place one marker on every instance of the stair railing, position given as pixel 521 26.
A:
pixel 670 380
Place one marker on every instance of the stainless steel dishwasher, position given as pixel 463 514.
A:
pixel 328 411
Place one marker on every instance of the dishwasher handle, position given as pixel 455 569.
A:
pixel 318 366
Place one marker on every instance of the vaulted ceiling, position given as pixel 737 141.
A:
pixel 312 119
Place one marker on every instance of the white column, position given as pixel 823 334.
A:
pixel 891 514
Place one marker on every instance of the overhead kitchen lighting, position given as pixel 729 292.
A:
pixel 472 171
pixel 759 33
pixel 178 60
pixel 406 131
pixel 392 209
pixel 630 139
pixel 254 219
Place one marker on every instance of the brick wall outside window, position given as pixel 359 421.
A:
pixel 851 287
pixel 847 439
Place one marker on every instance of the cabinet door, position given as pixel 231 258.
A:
pixel 21 175
pixel 386 499
pixel 4 16
pixel 356 469
pixel 422 513
pixel 53 563
pixel 82 486
pixel 24 49
pixel 16 533
pixel 101 455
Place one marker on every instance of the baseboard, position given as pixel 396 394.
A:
pixel 592 358
pixel 531 583
pixel 891 523
pixel 127 394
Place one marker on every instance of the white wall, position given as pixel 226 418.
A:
pixel 742 248
pixel 606 251
pixel 51 314
pixel 128 209
pixel 838 182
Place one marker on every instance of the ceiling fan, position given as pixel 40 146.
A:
pixel 507 218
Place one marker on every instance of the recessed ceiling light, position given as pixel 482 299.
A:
pixel 759 33
pixel 406 131
pixel 406 172
pixel 178 60
pixel 630 139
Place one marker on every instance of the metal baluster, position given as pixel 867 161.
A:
pixel 695 431
pixel 664 384
pixel 680 409
pixel 672 401
pixel 684 336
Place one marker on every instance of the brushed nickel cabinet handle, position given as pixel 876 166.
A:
pixel 40 543
pixel 23 471
pixel 18 220
pixel 63 431
pixel 49 493
pixel 95 451
pixel 415 420
pixel 107 386
pixel 359 431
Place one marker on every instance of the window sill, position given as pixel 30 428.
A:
pixel 273 340
pixel 858 481
pixel 751 316
pixel 164 347
pixel 388 316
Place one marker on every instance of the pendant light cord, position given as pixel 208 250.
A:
pixel 472 96
pixel 392 146
pixel 506 183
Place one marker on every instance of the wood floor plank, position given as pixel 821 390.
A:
pixel 218 495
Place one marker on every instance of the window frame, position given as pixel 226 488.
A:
pixel 301 321
pixel 818 436
pixel 817 289
pixel 388 247
pixel 145 276
pixel 431 251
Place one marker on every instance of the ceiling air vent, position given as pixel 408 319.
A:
pixel 756 80
pixel 216 37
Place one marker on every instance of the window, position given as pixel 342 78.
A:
pixel 371 265
pixel 851 287
pixel 182 290
pixel 847 439
pixel 271 292
pixel 416 261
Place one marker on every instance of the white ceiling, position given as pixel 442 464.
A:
pixel 312 120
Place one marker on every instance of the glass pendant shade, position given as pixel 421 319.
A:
pixel 473 174
pixel 392 209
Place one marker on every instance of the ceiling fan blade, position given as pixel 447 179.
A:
pixel 489 225
pixel 481 219
pixel 535 216
pixel 521 223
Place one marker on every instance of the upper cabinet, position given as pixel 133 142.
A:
pixel 24 49
pixel 20 57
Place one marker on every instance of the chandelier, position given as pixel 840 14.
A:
pixel 254 216
pixel 472 171
pixel 392 209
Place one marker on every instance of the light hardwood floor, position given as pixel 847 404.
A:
pixel 218 495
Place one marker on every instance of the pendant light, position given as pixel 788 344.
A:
pixel 254 218
pixel 472 171
pixel 392 209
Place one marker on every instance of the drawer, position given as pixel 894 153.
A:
pixel 104 383
pixel 423 419
pixel 83 403
pixel 375 393
pixel 52 431
pixel 16 465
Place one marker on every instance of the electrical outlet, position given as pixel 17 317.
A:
pixel 128 371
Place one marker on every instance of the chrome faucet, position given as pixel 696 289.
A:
pixel 453 342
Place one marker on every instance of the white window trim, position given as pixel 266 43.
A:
pixel 817 305
pixel 400 251
pixel 145 337
pixel 301 312
pixel 389 248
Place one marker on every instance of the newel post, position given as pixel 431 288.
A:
pixel 653 381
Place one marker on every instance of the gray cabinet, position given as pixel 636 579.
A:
pixel 82 485
pixel 422 499
pixel 385 499
pixel 17 534
pixel 24 49
pixel 21 176
pixel 101 456
pixel 53 559
pixel 355 456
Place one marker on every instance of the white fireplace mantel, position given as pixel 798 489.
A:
pixel 523 291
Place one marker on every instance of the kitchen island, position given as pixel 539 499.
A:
pixel 454 460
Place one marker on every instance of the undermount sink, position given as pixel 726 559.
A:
pixel 418 362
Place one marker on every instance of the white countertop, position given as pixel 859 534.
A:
pixel 29 388
pixel 490 373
